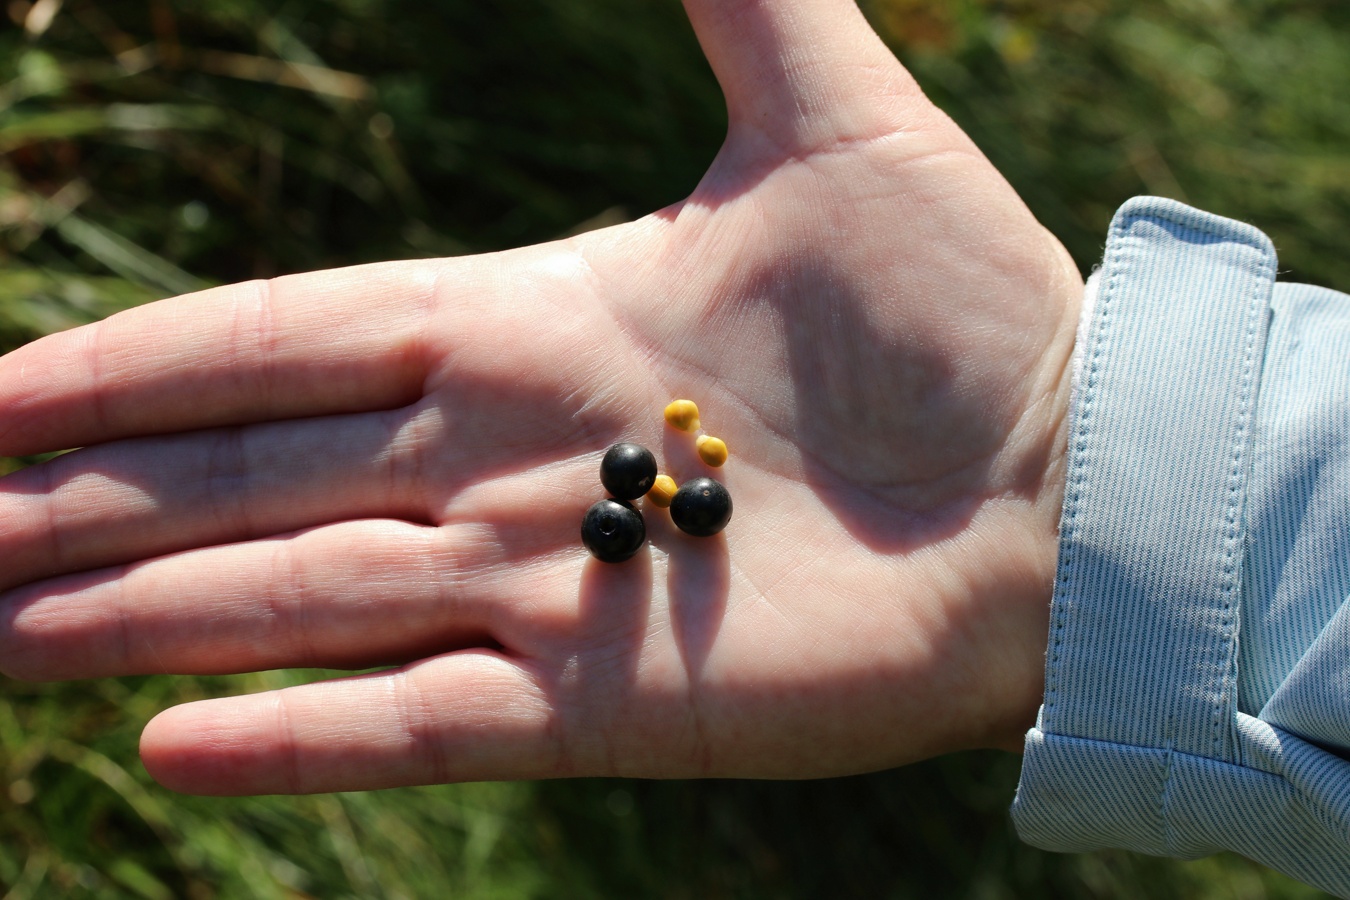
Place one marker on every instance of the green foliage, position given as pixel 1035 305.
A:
pixel 83 819
pixel 232 143
pixel 1230 106
pixel 153 148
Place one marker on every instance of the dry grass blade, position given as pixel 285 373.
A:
pixel 132 262
pixel 30 881
pixel 304 76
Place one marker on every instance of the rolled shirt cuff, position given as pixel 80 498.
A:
pixel 1139 743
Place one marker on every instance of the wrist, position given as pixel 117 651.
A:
pixel 1026 625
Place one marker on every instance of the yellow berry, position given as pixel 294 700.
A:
pixel 683 414
pixel 711 450
pixel 663 491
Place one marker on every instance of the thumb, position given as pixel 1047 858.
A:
pixel 804 72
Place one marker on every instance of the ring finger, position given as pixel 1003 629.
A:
pixel 350 595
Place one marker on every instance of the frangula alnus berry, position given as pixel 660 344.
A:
pixel 613 531
pixel 701 507
pixel 628 471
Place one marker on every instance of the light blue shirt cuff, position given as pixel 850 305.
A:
pixel 1141 742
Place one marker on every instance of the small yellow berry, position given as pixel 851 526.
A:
pixel 683 414
pixel 711 450
pixel 663 491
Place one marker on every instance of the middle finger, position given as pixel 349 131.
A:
pixel 133 499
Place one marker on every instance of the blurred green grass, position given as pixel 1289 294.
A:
pixel 151 148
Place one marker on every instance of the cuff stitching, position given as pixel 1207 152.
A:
pixel 1078 450
pixel 1234 532
pixel 1165 799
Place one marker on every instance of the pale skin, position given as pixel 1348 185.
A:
pixel 388 465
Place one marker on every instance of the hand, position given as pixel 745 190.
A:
pixel 389 465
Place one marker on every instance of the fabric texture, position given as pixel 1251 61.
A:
pixel 1197 681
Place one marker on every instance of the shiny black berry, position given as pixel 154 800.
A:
pixel 628 471
pixel 701 507
pixel 613 531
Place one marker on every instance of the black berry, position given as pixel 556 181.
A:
pixel 613 531
pixel 701 507
pixel 628 471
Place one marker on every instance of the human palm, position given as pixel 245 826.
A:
pixel 389 465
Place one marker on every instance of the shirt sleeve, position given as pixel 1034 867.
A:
pixel 1197 681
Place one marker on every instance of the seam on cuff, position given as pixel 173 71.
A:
pixel 1102 313
pixel 1224 727
pixel 1165 800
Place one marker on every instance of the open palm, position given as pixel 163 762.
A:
pixel 389 465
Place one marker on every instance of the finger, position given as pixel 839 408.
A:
pixel 345 340
pixel 467 716
pixel 144 497
pixel 351 595
pixel 803 71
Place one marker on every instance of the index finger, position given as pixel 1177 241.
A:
pixel 343 340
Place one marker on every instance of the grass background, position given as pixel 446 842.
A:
pixel 151 148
